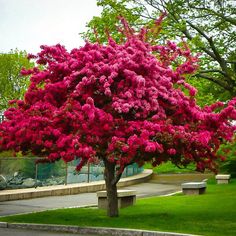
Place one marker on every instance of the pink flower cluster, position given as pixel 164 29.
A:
pixel 123 102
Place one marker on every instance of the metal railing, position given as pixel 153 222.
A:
pixel 25 172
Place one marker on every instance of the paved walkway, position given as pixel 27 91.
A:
pixel 28 232
pixel 40 204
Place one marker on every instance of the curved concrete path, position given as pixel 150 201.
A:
pixel 44 203
pixel 28 232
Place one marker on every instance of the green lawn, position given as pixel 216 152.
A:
pixel 168 167
pixel 213 213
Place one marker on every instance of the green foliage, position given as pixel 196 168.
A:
pixel 229 165
pixel 109 21
pixel 169 167
pixel 12 85
pixel 208 92
pixel 211 214
pixel 25 165
pixel 6 154
pixel 21 164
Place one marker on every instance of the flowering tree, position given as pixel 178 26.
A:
pixel 117 103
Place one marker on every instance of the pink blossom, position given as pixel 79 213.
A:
pixel 171 151
pixel 48 144
pixel 151 147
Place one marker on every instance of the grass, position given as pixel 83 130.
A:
pixel 213 213
pixel 169 168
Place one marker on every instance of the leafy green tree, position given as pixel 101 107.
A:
pixel 208 27
pixel 12 84
pixel 229 165
pixel 109 21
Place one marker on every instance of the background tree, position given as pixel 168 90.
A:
pixel 119 104
pixel 229 165
pixel 12 84
pixel 208 26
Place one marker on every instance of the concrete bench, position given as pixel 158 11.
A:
pixel 194 188
pixel 222 179
pixel 125 198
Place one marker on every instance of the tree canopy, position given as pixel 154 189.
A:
pixel 119 103
pixel 208 27
pixel 12 84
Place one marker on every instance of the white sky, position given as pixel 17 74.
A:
pixel 27 24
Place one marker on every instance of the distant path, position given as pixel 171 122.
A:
pixel 40 204
pixel 27 232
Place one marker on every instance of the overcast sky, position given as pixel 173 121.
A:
pixel 27 24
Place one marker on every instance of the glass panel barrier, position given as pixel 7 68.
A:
pixel 23 172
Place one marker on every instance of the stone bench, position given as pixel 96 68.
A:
pixel 194 188
pixel 125 198
pixel 222 179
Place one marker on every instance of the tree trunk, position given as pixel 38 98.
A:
pixel 110 179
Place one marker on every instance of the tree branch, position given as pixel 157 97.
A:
pixel 146 10
pixel 198 30
pixel 213 70
pixel 190 37
pixel 217 57
pixel 231 62
pixel 219 82
pixel 212 12
pixel 146 17
pixel 154 4
pixel 117 178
